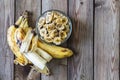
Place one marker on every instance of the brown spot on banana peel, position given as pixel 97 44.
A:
pixel 64 50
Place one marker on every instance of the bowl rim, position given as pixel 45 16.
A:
pixel 69 21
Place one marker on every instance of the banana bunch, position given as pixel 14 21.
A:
pixel 28 49
pixel 15 35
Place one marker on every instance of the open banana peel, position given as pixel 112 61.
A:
pixel 28 49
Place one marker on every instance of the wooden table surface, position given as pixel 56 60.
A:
pixel 94 39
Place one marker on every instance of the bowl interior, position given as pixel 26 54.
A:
pixel 69 22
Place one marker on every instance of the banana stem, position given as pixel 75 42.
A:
pixel 22 20
pixel 18 22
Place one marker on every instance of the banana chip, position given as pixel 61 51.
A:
pixel 50 13
pixel 53 33
pixel 45 26
pixel 64 20
pixel 41 22
pixel 60 27
pixel 67 28
pixel 58 21
pixel 63 34
pixel 57 40
pixel 50 27
pixel 56 14
pixel 43 32
pixel 48 18
pixel 48 39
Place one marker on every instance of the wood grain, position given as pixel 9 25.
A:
pixel 106 40
pixel 95 43
pixel 33 6
pixel 80 66
pixel 6 57
pixel 58 67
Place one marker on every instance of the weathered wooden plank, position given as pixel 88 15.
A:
pixel 58 68
pixel 6 19
pixel 106 45
pixel 80 66
pixel 33 6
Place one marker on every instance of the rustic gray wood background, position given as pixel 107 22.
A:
pixel 94 40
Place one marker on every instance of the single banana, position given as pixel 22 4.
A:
pixel 55 51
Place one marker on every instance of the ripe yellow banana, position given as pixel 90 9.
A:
pixel 55 51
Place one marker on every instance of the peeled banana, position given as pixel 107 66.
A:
pixel 19 36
